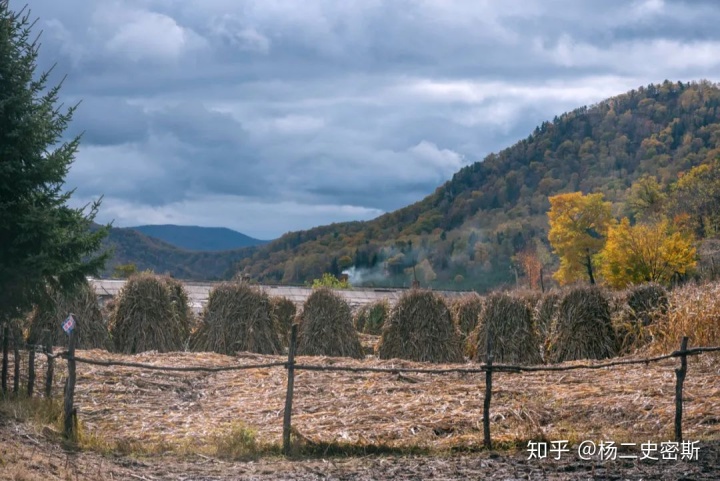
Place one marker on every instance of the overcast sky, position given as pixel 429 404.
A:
pixel 268 116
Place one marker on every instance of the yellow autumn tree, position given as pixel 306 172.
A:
pixel 653 252
pixel 578 226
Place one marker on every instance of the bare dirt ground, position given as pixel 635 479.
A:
pixel 180 413
pixel 26 456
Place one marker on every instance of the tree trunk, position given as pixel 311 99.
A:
pixel 588 264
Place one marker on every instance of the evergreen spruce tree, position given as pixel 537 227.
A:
pixel 44 243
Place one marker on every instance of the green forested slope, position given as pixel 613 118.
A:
pixel 466 233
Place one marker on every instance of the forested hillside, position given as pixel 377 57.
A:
pixel 471 230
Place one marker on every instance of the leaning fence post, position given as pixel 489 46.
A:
pixel 488 391
pixel 680 375
pixel 70 389
pixel 5 347
pixel 50 364
pixel 290 386
pixel 31 371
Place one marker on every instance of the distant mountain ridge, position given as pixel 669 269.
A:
pixel 203 239
pixel 147 253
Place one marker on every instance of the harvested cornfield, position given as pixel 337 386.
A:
pixel 420 328
pixel 183 411
pixel 326 327
pixel 370 318
pixel 284 312
pixel 466 311
pixel 151 314
pixel 693 311
pixel 47 317
pixel 237 318
pixel 507 321
pixel 582 328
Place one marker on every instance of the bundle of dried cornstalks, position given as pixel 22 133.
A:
pixel 91 331
pixel 326 327
pixel 508 321
pixel 582 328
pixel 370 318
pixel 151 313
pixel 420 328
pixel 238 318
pixel 284 312
pixel 466 311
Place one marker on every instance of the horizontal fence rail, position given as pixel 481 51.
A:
pixel 291 366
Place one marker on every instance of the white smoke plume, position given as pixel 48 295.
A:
pixel 358 277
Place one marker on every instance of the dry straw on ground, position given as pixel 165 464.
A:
pixel 508 321
pixel 420 328
pixel 91 331
pixel 186 409
pixel 370 318
pixel 466 311
pixel 326 327
pixel 582 328
pixel 151 313
pixel 238 317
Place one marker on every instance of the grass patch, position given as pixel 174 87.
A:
pixel 239 442
pixel 35 410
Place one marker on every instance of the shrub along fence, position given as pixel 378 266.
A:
pixel 489 368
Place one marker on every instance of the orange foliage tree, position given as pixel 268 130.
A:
pixel 532 267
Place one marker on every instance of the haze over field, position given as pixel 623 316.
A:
pixel 269 116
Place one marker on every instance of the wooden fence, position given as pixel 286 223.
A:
pixel 489 368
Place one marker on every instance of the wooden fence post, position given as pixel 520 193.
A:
pixel 31 371
pixel 680 375
pixel 290 386
pixel 488 391
pixel 16 365
pixel 5 347
pixel 50 364
pixel 70 389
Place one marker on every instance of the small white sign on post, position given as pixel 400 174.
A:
pixel 68 324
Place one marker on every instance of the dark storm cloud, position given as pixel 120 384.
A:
pixel 273 115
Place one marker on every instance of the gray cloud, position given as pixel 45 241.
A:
pixel 273 115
